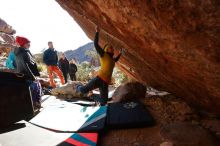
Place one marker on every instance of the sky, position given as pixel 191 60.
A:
pixel 41 21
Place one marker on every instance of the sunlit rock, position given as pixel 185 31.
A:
pixel 170 45
pixel 68 91
pixel 5 28
pixel 7 40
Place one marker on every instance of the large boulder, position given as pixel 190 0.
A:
pixel 170 45
pixel 129 91
pixel 68 91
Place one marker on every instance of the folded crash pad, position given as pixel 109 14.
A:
pixel 127 115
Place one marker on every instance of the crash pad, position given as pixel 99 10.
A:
pixel 130 114
pixel 26 134
pixel 81 139
pixel 65 116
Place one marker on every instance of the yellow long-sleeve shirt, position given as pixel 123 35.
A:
pixel 107 66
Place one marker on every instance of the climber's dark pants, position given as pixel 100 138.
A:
pixel 93 84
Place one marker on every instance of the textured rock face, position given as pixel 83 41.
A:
pixel 187 134
pixel 4 27
pixel 6 35
pixel 170 45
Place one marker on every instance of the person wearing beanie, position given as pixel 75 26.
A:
pixel 50 58
pixel 25 64
pixel 103 79
pixel 21 41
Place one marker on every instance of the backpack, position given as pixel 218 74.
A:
pixel 15 101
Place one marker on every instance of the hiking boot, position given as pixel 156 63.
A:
pixel 46 92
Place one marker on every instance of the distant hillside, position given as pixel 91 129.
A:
pixel 80 53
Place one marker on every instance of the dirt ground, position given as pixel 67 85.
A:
pixel 177 124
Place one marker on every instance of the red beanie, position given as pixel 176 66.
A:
pixel 21 40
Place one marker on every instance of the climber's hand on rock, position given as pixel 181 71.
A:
pixel 97 28
pixel 122 51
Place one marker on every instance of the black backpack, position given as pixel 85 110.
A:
pixel 15 99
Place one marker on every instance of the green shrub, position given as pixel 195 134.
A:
pixel 119 77
pixel 41 67
pixel 85 68
pixel 83 71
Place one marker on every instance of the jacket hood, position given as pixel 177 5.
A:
pixel 19 50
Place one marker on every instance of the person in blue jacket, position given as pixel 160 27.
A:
pixel 10 62
pixel 50 58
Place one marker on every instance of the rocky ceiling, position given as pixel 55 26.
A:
pixel 170 45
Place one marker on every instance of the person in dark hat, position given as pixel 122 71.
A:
pixel 64 66
pixel 72 70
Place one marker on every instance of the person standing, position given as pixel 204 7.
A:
pixel 50 58
pixel 26 65
pixel 64 66
pixel 72 70
pixel 10 62
pixel 24 60
pixel 103 79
